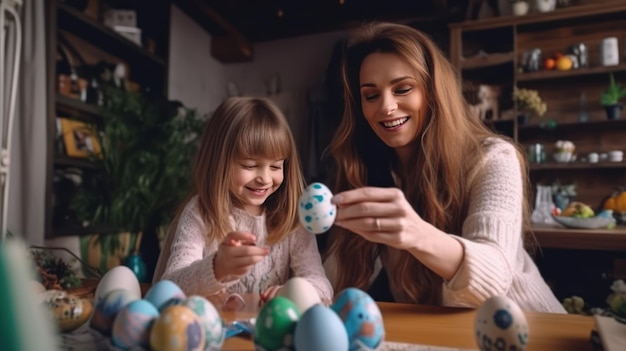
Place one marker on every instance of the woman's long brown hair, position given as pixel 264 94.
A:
pixel 242 127
pixel 442 166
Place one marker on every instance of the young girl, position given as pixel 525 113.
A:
pixel 238 232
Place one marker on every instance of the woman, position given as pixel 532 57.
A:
pixel 427 194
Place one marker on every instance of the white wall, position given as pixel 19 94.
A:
pixel 199 81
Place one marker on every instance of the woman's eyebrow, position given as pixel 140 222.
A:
pixel 393 81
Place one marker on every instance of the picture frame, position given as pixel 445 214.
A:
pixel 79 138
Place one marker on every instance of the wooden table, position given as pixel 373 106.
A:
pixel 448 327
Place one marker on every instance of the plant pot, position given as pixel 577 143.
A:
pixel 614 111
pixel 520 8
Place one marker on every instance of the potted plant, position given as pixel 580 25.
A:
pixel 611 97
pixel 143 171
pixel 528 102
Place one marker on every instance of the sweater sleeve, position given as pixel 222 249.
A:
pixel 190 264
pixel 306 262
pixel 492 232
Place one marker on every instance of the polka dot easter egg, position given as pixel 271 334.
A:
pixel 500 324
pixel 316 212
pixel 361 317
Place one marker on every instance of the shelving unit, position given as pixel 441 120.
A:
pixel 146 65
pixel 575 261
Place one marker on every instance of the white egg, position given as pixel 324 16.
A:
pixel 118 277
pixel 301 292
pixel 316 212
pixel 500 324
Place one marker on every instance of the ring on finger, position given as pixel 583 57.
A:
pixel 377 221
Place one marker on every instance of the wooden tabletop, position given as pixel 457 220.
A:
pixel 447 327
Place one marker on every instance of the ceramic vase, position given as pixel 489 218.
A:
pixel 520 8
pixel 545 5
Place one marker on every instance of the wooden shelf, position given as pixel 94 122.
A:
pixel 74 21
pixel 487 60
pixel 591 126
pixel 568 13
pixel 77 109
pixel 554 166
pixel 82 163
pixel 580 72
pixel 581 239
pixel 78 230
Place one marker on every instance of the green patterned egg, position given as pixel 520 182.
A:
pixel 275 324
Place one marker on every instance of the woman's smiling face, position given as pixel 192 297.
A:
pixel 392 99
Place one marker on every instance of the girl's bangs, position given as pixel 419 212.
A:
pixel 265 140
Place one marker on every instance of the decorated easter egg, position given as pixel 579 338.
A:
pixel 107 308
pixel 320 328
pixel 212 324
pixel 315 210
pixel 301 292
pixel 118 277
pixel 500 324
pixel 132 324
pixel 70 311
pixel 275 324
pixel 361 317
pixel 177 329
pixel 165 293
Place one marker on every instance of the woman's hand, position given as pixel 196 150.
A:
pixel 383 215
pixel 237 254
pixel 380 215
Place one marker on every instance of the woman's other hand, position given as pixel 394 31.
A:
pixel 237 254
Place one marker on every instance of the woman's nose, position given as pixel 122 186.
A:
pixel 389 105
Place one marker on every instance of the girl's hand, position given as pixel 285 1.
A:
pixel 237 254
pixel 380 215
pixel 270 293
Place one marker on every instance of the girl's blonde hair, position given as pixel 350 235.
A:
pixel 242 127
pixel 442 166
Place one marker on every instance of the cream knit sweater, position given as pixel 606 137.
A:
pixel 190 261
pixel 495 261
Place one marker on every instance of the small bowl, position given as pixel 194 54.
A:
pixel 563 157
pixel 585 223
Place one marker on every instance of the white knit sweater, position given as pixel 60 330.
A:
pixel 190 263
pixel 495 261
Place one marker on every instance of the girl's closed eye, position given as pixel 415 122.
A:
pixel 403 90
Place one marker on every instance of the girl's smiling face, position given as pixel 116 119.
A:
pixel 254 180
pixel 392 99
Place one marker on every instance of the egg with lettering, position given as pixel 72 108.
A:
pixel 361 317
pixel 500 324
pixel 315 210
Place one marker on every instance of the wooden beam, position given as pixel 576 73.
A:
pixel 228 44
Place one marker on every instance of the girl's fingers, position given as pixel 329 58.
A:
pixel 239 239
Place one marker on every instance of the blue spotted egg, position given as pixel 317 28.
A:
pixel 361 317
pixel 316 212
pixel 500 324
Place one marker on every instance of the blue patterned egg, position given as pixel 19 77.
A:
pixel 214 331
pixel 178 328
pixel 361 317
pixel 316 212
pixel 164 293
pixel 107 308
pixel 132 324
pixel 500 324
